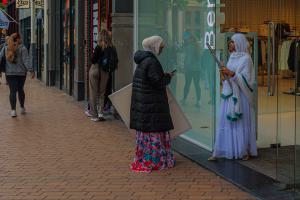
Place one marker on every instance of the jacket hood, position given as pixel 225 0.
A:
pixel 21 46
pixel 139 56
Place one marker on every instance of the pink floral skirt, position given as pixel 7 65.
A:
pixel 153 152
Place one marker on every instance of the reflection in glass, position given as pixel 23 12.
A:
pixel 192 67
pixel 183 25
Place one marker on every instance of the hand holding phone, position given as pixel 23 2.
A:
pixel 174 71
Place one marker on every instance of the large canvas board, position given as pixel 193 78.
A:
pixel 121 100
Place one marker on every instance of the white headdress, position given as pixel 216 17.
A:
pixel 152 44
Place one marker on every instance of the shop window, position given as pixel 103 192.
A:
pixel 184 27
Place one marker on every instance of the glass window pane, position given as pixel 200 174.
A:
pixel 184 26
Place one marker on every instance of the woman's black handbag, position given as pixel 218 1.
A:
pixel 3 63
pixel 110 62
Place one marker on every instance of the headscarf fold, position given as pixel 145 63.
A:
pixel 241 63
pixel 152 44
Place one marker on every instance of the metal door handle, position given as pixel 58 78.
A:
pixel 274 61
pixel 268 59
pixel 271 66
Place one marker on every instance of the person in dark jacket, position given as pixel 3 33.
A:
pixel 192 68
pixel 104 61
pixel 109 88
pixel 294 62
pixel 150 112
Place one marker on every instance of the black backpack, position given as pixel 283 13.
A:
pixel 110 62
pixel 3 63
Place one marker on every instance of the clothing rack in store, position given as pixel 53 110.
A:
pixel 262 57
pixel 294 65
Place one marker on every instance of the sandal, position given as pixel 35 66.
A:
pixel 212 158
pixel 245 158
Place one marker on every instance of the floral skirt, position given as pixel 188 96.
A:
pixel 153 152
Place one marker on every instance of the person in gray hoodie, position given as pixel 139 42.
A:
pixel 17 65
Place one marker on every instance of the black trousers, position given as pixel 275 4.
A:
pixel 16 85
pixel 195 77
pixel 108 89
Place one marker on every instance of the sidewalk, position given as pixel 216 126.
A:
pixel 55 152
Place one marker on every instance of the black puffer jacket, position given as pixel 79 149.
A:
pixel 149 102
pixel 100 54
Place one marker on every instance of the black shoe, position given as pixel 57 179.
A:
pixel 102 119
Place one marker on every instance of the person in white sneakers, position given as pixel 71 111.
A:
pixel 17 64
pixel 104 61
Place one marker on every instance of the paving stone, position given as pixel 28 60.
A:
pixel 55 152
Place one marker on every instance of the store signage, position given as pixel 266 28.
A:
pixel 95 25
pixel 39 4
pixel 22 3
pixel 4 2
pixel 211 21
pixel 4 22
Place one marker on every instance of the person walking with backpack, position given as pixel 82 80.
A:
pixel 17 64
pixel 104 61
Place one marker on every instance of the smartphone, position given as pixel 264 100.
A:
pixel 174 71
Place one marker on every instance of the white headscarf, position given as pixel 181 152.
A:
pixel 152 44
pixel 241 63
pixel 241 43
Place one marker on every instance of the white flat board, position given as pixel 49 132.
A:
pixel 121 100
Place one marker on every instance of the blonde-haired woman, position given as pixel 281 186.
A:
pixel 150 114
pixel 105 61
pixel 17 65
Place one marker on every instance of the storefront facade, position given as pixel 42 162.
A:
pixel 68 46
pixel 14 13
pixel 70 43
pixel 115 16
pixel 272 28
pixel 65 46
pixel 176 22
pixel 98 17
pixel 25 31
pixel 25 27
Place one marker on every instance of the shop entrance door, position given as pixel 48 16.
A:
pixel 277 28
pixel 68 45
pixel 276 95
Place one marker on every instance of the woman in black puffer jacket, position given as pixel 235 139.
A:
pixel 150 113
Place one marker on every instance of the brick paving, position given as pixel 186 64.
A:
pixel 55 153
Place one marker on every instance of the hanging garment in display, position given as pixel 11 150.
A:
pixel 263 30
pixel 284 55
pixel 294 55
pixel 263 52
pixel 294 59
pixel 282 30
